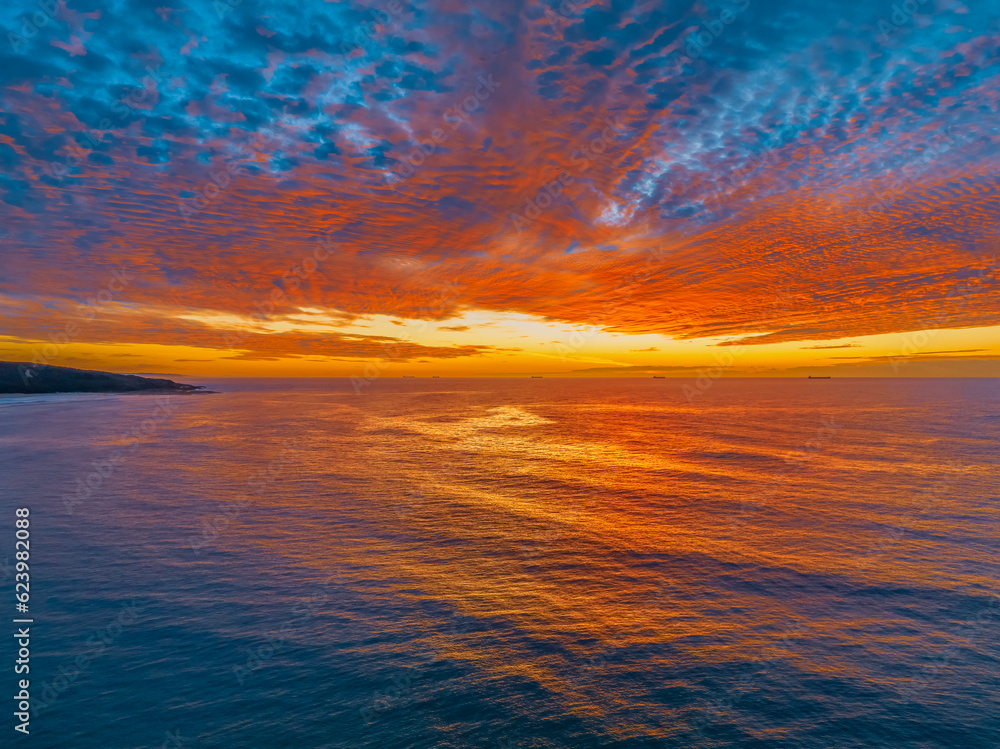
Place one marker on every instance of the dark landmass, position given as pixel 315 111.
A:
pixel 22 377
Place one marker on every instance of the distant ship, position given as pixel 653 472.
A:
pixel 659 377
pixel 408 377
pixel 436 377
pixel 824 377
pixel 536 377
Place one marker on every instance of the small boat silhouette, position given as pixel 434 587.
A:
pixel 820 377
pixel 536 377
pixel 659 377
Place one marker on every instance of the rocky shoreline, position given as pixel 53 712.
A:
pixel 27 378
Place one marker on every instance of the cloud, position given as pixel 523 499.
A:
pixel 799 176
pixel 921 355
pixel 839 345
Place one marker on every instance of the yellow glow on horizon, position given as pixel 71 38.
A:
pixel 523 345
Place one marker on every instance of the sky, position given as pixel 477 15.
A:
pixel 690 189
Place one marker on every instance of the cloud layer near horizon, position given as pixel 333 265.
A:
pixel 790 172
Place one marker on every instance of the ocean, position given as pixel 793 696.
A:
pixel 510 563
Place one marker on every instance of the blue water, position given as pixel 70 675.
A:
pixel 511 563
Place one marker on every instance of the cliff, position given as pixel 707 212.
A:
pixel 22 377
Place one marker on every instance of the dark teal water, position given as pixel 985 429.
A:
pixel 511 563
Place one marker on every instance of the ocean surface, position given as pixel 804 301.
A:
pixel 510 563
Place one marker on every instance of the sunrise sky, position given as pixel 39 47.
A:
pixel 443 188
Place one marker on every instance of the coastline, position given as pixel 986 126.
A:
pixel 24 378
